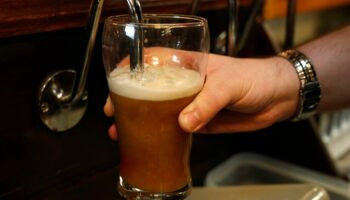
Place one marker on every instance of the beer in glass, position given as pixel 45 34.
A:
pixel 154 150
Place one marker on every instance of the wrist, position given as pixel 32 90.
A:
pixel 288 86
pixel 309 90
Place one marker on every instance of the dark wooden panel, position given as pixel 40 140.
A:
pixel 20 17
pixel 32 158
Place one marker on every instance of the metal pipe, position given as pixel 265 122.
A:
pixel 92 27
pixel 231 42
pixel 136 49
pixel 136 45
pixel 193 10
pixel 290 24
pixel 257 6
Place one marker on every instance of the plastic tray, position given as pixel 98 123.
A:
pixel 254 169
pixel 261 192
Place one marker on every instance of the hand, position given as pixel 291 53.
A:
pixel 255 92
pixel 109 111
pixel 239 95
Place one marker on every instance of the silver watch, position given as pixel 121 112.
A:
pixel 310 91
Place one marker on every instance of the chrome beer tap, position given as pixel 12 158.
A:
pixel 63 96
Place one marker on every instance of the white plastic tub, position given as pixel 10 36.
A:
pixel 260 192
pixel 253 169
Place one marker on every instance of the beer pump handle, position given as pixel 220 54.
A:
pixel 62 98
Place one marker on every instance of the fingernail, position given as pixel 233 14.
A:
pixel 108 108
pixel 190 121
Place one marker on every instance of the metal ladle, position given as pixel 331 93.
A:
pixel 63 98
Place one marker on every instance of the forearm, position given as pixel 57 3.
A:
pixel 330 56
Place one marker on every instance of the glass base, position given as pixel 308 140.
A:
pixel 130 192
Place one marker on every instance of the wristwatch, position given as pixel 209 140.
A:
pixel 310 91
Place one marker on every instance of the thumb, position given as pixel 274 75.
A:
pixel 202 109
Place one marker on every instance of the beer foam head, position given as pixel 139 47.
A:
pixel 155 83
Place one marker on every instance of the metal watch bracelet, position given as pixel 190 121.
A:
pixel 310 91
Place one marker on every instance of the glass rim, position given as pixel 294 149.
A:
pixel 192 20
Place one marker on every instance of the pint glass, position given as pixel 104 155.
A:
pixel 154 150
